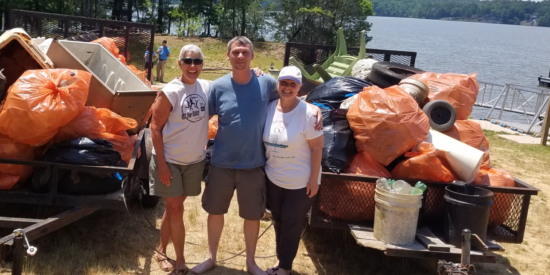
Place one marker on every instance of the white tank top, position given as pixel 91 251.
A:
pixel 185 133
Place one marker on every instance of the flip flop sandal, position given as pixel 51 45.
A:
pixel 159 261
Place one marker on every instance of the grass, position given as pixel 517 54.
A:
pixel 214 51
pixel 109 242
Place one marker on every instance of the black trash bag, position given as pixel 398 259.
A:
pixel 209 148
pixel 336 90
pixel 81 151
pixel 339 149
pixel 84 151
pixel 83 182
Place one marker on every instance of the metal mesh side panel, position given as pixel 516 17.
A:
pixel 60 26
pixel 345 201
pixel 505 215
pixel 52 28
pixel 137 45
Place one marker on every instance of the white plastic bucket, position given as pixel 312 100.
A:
pixel 464 160
pixel 396 217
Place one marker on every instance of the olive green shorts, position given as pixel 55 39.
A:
pixel 186 179
pixel 221 183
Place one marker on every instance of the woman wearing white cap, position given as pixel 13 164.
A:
pixel 293 150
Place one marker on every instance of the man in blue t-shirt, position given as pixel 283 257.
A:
pixel 163 52
pixel 240 99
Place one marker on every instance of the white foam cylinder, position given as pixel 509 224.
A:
pixel 464 160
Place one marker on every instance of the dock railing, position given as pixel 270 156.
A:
pixel 529 102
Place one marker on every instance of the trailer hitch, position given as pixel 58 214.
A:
pixel 464 268
pixel 31 250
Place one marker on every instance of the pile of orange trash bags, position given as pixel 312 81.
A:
pixel 47 106
pixel 40 102
pixel 111 46
pixel 387 123
pixel 102 123
pixel 459 90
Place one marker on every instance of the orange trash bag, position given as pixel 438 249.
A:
pixel 40 102
pixel 459 90
pixel 129 149
pixel 121 58
pixel 108 44
pixel 212 127
pixel 387 123
pixel 365 164
pixel 142 75
pixel 470 132
pixel 423 165
pixel 100 123
pixel 502 202
pixel 10 174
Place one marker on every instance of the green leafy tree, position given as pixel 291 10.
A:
pixel 316 21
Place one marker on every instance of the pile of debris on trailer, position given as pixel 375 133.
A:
pixel 67 102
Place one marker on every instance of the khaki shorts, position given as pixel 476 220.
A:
pixel 251 191
pixel 186 179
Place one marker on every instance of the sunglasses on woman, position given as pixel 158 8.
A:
pixel 189 61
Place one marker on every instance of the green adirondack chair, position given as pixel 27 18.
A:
pixel 338 64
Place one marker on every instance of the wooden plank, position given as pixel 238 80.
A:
pixel 365 237
pixel 417 250
pixel 8 222
pixel 430 241
pixel 493 245
pixel 49 225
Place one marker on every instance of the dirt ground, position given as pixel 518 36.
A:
pixel 109 242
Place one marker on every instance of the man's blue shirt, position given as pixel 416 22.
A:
pixel 242 111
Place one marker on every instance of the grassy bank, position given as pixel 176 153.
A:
pixel 109 242
pixel 214 51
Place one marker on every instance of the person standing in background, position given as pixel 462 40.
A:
pixel 154 58
pixel 163 52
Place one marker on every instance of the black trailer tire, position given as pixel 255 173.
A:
pixel 441 113
pixel 385 74
pixel 147 201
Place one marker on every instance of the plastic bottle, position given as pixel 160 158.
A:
pixel 384 184
pixel 418 189
pixel 401 187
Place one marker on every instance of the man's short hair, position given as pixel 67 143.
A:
pixel 241 40
pixel 164 41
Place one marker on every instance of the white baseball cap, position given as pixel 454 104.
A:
pixel 291 73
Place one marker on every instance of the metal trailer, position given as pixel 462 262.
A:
pixel 346 202
pixel 112 86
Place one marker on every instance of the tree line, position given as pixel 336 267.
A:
pixel 306 21
pixel 501 11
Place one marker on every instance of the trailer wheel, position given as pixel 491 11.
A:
pixel 441 113
pixel 385 74
pixel 147 201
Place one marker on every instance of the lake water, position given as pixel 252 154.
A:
pixel 497 53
